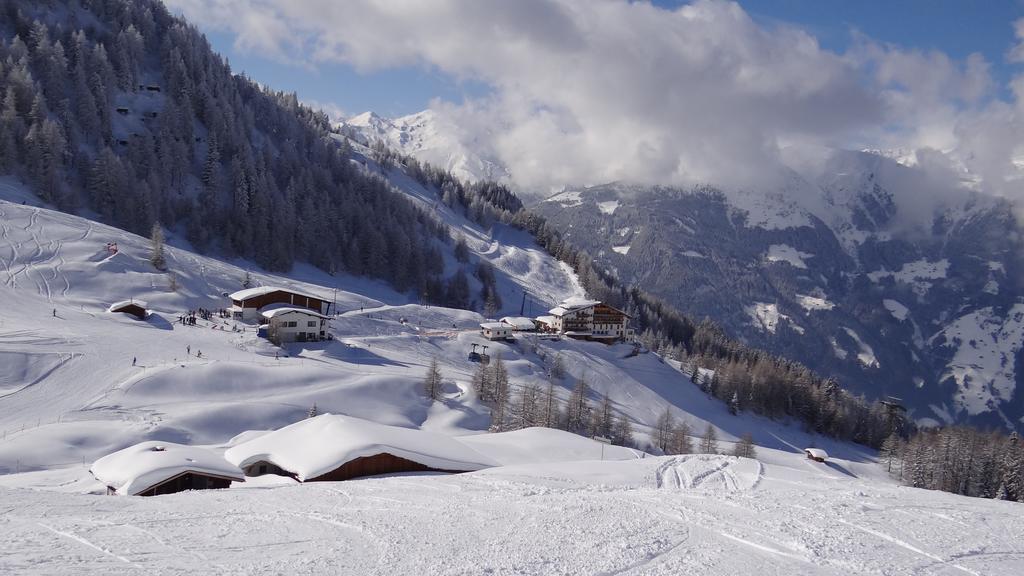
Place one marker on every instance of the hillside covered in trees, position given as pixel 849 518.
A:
pixel 123 109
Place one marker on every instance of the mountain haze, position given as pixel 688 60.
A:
pixel 855 263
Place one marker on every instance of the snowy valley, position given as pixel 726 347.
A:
pixel 852 263
pixel 72 395
pixel 239 338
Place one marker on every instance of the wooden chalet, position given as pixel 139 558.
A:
pixel 584 319
pixel 246 304
pixel 332 447
pixel 191 480
pixel 382 463
pixel 155 468
pixel 135 308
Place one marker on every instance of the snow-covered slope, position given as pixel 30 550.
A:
pixel 713 515
pixel 81 382
pixel 522 267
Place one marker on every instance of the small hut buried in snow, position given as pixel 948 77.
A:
pixel 816 454
pixel 154 468
pixel 333 447
pixel 136 308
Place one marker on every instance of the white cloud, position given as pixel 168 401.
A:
pixel 587 91
pixel 1016 53
pixel 334 112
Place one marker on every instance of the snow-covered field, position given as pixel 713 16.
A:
pixel 668 515
pixel 78 382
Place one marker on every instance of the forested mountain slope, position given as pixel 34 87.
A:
pixel 121 109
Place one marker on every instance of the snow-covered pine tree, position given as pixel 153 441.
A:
pixel 1010 467
pixel 558 367
pixel 622 431
pixel 680 442
pixel 491 304
pixel 602 419
pixel 550 415
pixel 527 406
pixel 483 382
pixel 578 411
pixel 312 411
pixel 709 441
pixel 156 256
pixel 889 452
pixel 663 430
pixel 432 382
pixel 734 403
pixel 705 382
pixel 744 448
pixel 501 413
pixel 461 249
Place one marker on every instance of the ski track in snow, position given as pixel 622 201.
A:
pixel 85 542
pixel 912 548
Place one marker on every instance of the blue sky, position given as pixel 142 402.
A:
pixel 588 91
pixel 957 28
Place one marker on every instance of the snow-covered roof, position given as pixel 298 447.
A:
pixel 278 310
pixel 816 453
pixel 142 466
pixel 116 306
pixel 494 326
pixel 519 322
pixel 549 320
pixel 571 305
pixel 578 302
pixel 316 446
pixel 263 290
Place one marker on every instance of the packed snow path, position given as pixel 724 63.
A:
pixel 565 518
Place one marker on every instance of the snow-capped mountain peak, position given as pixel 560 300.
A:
pixel 432 137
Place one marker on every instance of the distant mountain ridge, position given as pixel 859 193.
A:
pixel 932 315
pixel 856 264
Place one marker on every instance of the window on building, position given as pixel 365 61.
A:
pixel 291 324
pixel 311 324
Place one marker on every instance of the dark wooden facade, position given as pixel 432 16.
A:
pixel 188 481
pixel 605 314
pixel 285 297
pixel 133 309
pixel 372 465
pixel 263 467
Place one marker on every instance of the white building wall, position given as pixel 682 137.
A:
pixel 289 327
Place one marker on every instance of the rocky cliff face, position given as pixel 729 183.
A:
pixel 845 270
